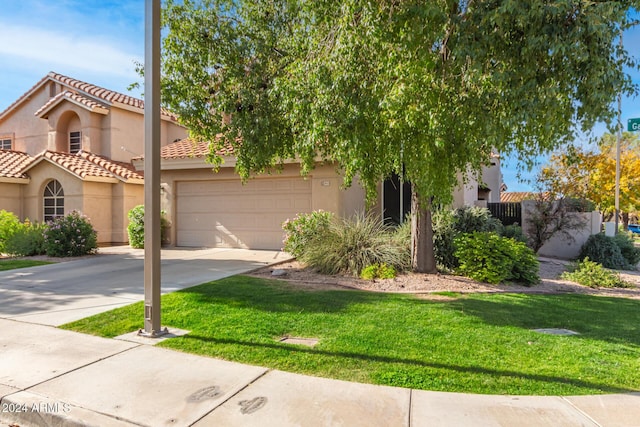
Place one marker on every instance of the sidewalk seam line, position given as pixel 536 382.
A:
pixel 231 397
pixel 581 411
pixel 83 366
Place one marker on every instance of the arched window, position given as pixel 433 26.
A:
pixel 53 201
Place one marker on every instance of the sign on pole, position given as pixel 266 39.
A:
pixel 633 125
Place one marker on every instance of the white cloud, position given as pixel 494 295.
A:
pixel 57 49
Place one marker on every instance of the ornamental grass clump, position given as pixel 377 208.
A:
pixel 351 244
pixel 71 235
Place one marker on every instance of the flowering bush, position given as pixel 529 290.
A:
pixel 304 228
pixel 71 235
pixel 135 229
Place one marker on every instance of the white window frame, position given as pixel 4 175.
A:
pixel 75 142
pixel 53 201
pixel 4 141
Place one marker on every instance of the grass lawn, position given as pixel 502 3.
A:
pixel 10 264
pixel 478 343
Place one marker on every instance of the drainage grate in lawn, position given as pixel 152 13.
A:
pixel 309 342
pixel 556 331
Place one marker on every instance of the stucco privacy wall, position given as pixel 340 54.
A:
pixel 11 197
pixel 321 189
pixel 560 246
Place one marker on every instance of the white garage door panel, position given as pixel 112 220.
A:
pixel 229 214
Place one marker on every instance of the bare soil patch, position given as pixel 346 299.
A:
pixel 429 285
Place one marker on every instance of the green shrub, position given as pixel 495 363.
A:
pixel 514 232
pixel 473 218
pixel 594 275
pixel 28 240
pixel 135 229
pixel 9 224
pixel 303 229
pixel 448 224
pixel 628 250
pixel 350 245
pixel 378 271
pixel 488 257
pixel 71 235
pixel 604 250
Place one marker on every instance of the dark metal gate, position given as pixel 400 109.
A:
pixel 507 213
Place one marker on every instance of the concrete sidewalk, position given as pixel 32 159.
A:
pixel 52 377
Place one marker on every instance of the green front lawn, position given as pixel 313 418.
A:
pixel 10 264
pixel 477 343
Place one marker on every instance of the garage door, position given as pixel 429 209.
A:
pixel 224 213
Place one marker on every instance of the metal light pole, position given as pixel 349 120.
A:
pixel 152 310
pixel 618 143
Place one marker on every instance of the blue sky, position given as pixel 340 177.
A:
pixel 99 42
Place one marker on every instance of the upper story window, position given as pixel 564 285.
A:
pixel 53 201
pixel 75 142
pixel 5 143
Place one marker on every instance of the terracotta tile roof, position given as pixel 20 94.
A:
pixel 516 196
pixel 87 165
pixel 75 164
pixel 87 90
pixel 88 103
pixel 189 148
pixel 13 163
pixel 125 171
pixel 106 95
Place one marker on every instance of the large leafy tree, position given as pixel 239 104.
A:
pixel 590 173
pixel 426 89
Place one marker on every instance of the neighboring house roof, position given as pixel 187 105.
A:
pixel 84 102
pixel 188 148
pixel 185 148
pixel 89 167
pixel 12 165
pixel 516 196
pixel 87 93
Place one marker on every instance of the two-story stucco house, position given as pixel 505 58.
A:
pixel 68 145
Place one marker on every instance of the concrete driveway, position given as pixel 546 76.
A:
pixel 60 293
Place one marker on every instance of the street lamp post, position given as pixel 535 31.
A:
pixel 152 312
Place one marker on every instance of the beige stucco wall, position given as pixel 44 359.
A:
pixel 560 246
pixel 30 133
pixel 40 175
pixel 492 178
pixel 124 128
pixel 124 198
pixel 11 198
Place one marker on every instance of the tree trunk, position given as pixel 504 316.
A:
pixel 625 221
pixel 422 256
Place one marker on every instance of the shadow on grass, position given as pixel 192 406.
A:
pixel 279 297
pixel 589 386
pixel 608 319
